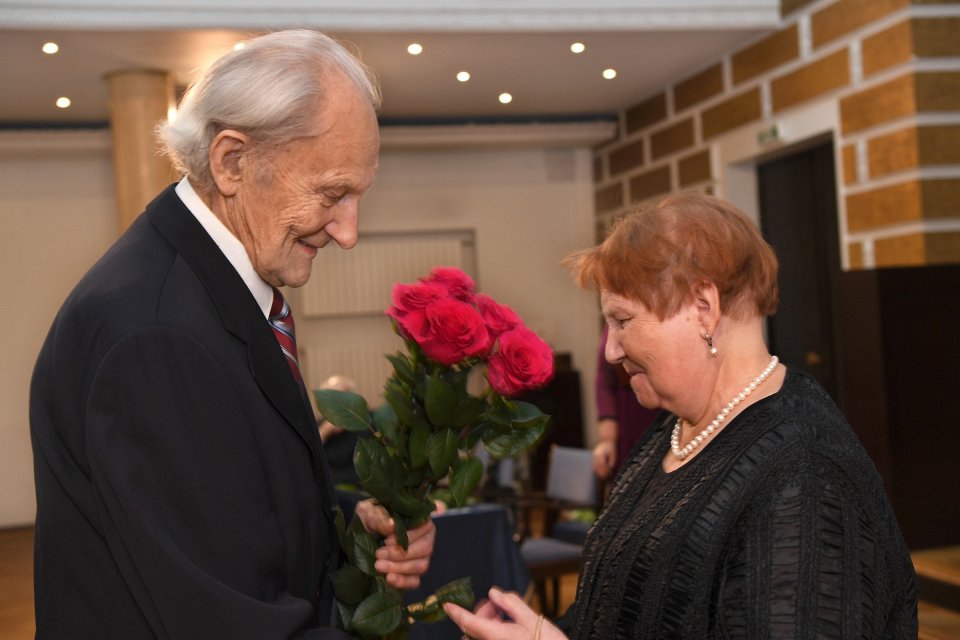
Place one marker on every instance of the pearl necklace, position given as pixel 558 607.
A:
pixel 714 426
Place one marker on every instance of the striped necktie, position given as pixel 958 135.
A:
pixel 281 321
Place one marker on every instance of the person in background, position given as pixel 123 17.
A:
pixel 621 420
pixel 750 510
pixel 182 487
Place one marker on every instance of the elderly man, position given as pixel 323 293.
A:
pixel 182 488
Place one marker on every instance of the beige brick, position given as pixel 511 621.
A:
pixel 649 184
pixel 704 85
pixel 941 198
pixel 732 113
pixel 773 51
pixel 900 251
pixel 609 198
pixel 928 199
pixel 844 16
pixel 625 158
pixel 943 248
pixel 648 112
pixel 938 91
pixel 884 206
pixel 849 164
pixel 939 145
pixel 936 37
pixel 824 75
pixel 887 101
pixel 887 48
pixel 671 139
pixel 914 147
pixel 694 168
pixel 893 152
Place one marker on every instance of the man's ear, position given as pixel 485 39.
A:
pixel 227 157
pixel 706 300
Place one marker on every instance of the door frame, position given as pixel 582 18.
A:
pixel 736 155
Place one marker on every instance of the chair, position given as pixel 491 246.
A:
pixel 570 484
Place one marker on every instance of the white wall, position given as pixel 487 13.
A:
pixel 57 215
pixel 529 207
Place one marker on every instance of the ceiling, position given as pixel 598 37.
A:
pixel 530 57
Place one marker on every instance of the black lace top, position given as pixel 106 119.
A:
pixel 780 528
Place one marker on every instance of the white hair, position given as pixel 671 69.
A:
pixel 271 89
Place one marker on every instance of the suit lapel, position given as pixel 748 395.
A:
pixel 242 317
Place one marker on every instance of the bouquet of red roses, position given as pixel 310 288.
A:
pixel 425 431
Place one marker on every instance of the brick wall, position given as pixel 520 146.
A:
pixel 891 68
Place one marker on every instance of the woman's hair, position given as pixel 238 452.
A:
pixel 661 253
pixel 271 89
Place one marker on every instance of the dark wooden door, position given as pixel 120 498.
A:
pixel 798 216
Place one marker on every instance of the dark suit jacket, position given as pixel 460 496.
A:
pixel 182 490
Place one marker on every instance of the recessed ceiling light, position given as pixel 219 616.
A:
pixel 63 102
pixel 415 49
pixel 578 47
pixel 239 45
pixel 463 76
pixel 50 48
pixel 609 74
pixel 506 98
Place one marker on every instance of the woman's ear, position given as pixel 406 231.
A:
pixel 226 160
pixel 706 300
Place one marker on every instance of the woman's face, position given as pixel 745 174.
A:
pixel 660 356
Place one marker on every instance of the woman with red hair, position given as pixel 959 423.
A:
pixel 749 509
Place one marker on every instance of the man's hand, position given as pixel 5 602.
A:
pixel 402 568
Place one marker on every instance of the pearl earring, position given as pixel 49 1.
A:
pixel 709 339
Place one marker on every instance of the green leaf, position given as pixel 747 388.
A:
pixel 459 592
pixel 525 413
pixel 349 584
pixel 400 401
pixel 378 615
pixel 364 552
pixel 385 421
pixel 476 432
pixel 430 609
pixel 372 464
pixel 346 615
pixel 466 475
pixel 441 451
pixel 427 610
pixel 345 409
pixel 419 434
pixel 400 530
pixel 440 402
pixel 468 411
pixel 401 365
pixel 514 441
pixel 409 505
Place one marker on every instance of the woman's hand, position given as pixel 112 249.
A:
pixel 604 459
pixel 503 617
pixel 402 567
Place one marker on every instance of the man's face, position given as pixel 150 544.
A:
pixel 311 192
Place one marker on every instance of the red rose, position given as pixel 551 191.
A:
pixel 499 317
pixel 522 361
pixel 414 297
pixel 457 283
pixel 450 332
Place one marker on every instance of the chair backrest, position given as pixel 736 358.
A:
pixel 570 476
